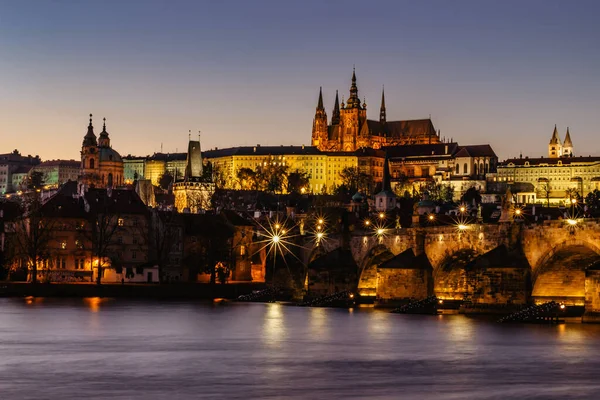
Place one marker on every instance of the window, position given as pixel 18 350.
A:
pixel 63 244
pixel 92 163
pixel 78 244
pixel 457 168
pixel 133 254
pixel 242 250
pixel 120 222
pixel 464 168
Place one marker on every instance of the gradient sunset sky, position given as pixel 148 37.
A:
pixel 247 72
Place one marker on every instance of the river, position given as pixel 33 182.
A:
pixel 123 349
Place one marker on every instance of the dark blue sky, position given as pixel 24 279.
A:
pixel 247 72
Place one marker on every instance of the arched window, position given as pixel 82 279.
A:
pixel 110 180
pixel 481 168
pixel 457 168
pixel 475 168
pixel 91 163
pixel 464 168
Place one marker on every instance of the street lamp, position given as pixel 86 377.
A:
pixel 381 215
pixel 431 217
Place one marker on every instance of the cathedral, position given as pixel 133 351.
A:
pixel 556 149
pixel 101 165
pixel 350 129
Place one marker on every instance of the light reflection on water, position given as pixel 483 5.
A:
pixel 98 349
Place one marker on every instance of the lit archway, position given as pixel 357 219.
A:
pixel 450 279
pixel 367 282
pixel 560 276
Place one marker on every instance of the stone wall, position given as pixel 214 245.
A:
pixel 498 286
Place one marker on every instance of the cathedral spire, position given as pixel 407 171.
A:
pixel 353 100
pixel 382 109
pixel 555 138
pixel 320 104
pixel 335 116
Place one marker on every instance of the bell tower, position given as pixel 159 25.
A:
pixel 319 131
pixel 89 155
pixel 555 149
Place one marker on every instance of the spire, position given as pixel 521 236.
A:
pixel 382 109
pixel 90 138
pixel 386 174
pixel 335 116
pixel 104 141
pixel 320 104
pixel 567 142
pixel 353 100
pixel 555 138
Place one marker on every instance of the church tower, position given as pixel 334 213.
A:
pixel 353 117
pixel 319 132
pixel 89 156
pixel 103 140
pixel 555 149
pixel 382 117
pixel 568 145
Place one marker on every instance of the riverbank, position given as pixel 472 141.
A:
pixel 143 291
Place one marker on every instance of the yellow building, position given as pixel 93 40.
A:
pixel 542 180
pixel 322 168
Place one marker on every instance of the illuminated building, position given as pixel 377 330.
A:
pixel 350 129
pixel 193 193
pixel 101 165
pixel 57 172
pixel 547 180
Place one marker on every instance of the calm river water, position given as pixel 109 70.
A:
pixel 118 349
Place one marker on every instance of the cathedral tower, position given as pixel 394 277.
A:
pixel 555 146
pixel 319 132
pixel 568 145
pixel 353 117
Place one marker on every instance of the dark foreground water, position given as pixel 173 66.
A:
pixel 117 349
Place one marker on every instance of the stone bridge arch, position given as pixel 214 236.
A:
pixel 560 275
pixel 367 281
pixel 450 276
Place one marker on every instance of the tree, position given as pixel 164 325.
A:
pixel 355 180
pixel 165 180
pixel 545 189
pixel 32 236
pixel 572 194
pixel 103 223
pixel 441 193
pixel 164 235
pixel 246 179
pixel 297 181
pixel 592 201
pixel 35 180
pixel 471 196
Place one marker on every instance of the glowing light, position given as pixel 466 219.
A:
pixel 381 215
pixel 562 306
pixel 462 227
pixel 518 211
pixel 572 222
pixel 276 239
pixel 380 231
pixel 462 209
pixel 302 190
pixel 319 227
pixel 440 301
pixel 320 235
pixel 283 232
pixel 321 221
pixel 277 226
pixel 351 295
pixel 573 201
pixel 431 217
pixel 367 222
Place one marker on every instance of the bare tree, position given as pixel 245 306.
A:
pixel 164 235
pixel 32 235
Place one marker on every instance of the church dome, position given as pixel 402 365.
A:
pixel 109 154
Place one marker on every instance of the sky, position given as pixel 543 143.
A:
pixel 247 72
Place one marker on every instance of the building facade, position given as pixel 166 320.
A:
pixel 11 163
pixel 549 180
pixel 57 172
pixel 350 129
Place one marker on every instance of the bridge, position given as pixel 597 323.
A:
pixel 502 264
